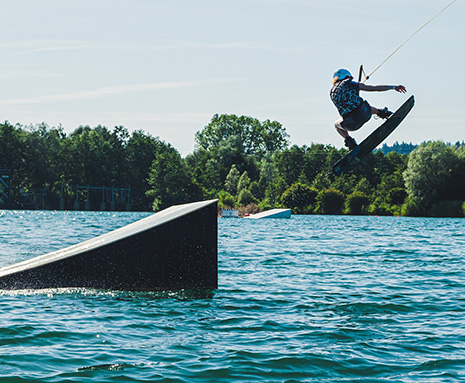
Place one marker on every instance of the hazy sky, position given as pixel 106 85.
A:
pixel 167 66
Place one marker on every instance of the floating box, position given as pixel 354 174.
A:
pixel 273 213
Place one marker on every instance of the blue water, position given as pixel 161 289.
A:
pixel 310 299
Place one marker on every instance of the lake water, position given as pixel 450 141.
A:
pixel 309 299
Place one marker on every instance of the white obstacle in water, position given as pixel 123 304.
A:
pixel 273 213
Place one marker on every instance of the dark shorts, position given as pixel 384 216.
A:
pixel 355 119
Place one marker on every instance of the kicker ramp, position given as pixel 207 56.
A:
pixel 273 213
pixel 174 249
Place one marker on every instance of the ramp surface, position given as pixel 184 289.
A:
pixel 169 250
pixel 273 213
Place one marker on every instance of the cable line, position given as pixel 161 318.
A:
pixel 406 41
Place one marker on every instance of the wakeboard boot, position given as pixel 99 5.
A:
pixel 384 113
pixel 350 143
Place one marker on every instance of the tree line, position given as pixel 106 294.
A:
pixel 246 163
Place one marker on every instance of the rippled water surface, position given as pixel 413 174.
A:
pixel 309 299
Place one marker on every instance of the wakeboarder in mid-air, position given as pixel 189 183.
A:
pixel 353 109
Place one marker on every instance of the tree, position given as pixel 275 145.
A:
pixel 431 174
pixel 255 137
pixel 346 183
pixel 447 209
pixel 211 167
pixel 11 149
pixel 170 181
pixel 33 154
pixel 245 197
pixel 244 182
pixel 232 180
pixel 298 197
pixel 206 170
pixel 266 185
pixel 141 149
pixel 321 181
pixel 226 200
pixel 357 203
pixel 273 137
pixel 330 201
pixel 318 158
pixel 290 163
pixel 396 196
pixel 363 186
pixel 242 155
pixel 91 157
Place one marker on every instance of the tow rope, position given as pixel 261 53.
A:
pixel 401 45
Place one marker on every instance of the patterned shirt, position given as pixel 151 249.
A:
pixel 345 95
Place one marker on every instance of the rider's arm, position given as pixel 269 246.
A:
pixel 381 88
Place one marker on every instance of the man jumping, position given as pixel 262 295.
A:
pixel 354 110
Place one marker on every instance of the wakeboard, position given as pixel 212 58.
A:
pixel 352 159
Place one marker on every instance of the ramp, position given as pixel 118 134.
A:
pixel 170 250
pixel 273 213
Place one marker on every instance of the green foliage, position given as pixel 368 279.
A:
pixel 290 164
pixel 245 197
pixel 357 203
pixel 140 151
pixel 255 190
pixel 265 204
pixel 43 157
pixel 226 200
pixel 206 170
pixel 410 208
pixel 244 161
pixel 211 167
pixel 396 196
pixel 244 182
pixel 432 174
pixel 364 186
pixel 298 197
pixel 346 183
pixel 170 181
pixel 267 183
pixel 447 209
pixel 303 164
pixel 232 180
pixel 330 201
pixel 321 181
pixel 255 137
pixel 379 207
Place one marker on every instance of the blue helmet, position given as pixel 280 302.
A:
pixel 341 74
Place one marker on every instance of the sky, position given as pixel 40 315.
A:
pixel 167 66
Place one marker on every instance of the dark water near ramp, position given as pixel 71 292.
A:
pixel 310 299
